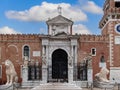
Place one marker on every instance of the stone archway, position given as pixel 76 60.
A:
pixel 60 65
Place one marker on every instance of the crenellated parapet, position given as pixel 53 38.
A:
pixel 111 11
pixel 19 37
pixel 93 38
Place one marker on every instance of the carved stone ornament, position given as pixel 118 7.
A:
pixel 44 60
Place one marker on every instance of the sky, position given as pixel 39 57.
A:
pixel 30 16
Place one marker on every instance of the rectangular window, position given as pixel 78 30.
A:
pixel 93 51
pixel 0 71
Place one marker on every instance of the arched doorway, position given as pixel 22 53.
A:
pixel 60 65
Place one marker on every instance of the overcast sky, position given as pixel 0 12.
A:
pixel 30 16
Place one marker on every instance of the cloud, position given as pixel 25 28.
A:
pixel 8 30
pixel 80 29
pixel 43 31
pixel 90 6
pixel 47 10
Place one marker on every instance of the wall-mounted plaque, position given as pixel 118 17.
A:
pixel 117 39
pixel 36 53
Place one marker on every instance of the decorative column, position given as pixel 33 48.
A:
pixel 37 67
pixel 73 57
pixel 25 72
pixel 44 65
pixel 70 69
pixel 75 62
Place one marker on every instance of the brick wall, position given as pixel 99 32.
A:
pixel 12 48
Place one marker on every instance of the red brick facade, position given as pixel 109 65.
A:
pixel 12 48
pixel 12 45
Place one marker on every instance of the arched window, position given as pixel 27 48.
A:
pixel 102 59
pixel 26 52
pixel 102 62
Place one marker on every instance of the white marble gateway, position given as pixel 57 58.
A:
pixel 60 41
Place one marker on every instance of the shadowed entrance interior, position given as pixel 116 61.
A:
pixel 59 64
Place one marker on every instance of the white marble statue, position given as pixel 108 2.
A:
pixel 25 61
pixel 10 73
pixel 102 75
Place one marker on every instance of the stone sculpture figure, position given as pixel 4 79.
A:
pixel 25 61
pixel 102 75
pixel 10 73
pixel 44 59
pixel 70 60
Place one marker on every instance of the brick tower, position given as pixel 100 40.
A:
pixel 110 26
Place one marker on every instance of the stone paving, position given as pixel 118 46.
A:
pixel 59 86
pixel 115 88
pixel 82 89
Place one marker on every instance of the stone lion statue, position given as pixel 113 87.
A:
pixel 10 73
pixel 102 75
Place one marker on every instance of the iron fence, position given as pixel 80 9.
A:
pixel 34 71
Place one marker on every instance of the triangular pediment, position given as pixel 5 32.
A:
pixel 59 20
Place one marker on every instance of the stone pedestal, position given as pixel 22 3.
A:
pixel 24 74
pixel 70 75
pixel 104 85
pixel 44 75
pixel 90 76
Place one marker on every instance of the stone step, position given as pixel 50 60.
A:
pixel 6 87
pixel 57 86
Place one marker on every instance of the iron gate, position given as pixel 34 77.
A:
pixel 34 71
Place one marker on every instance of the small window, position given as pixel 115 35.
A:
pixel 93 51
pixel 26 52
pixel 102 61
pixel 117 4
pixel 0 71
